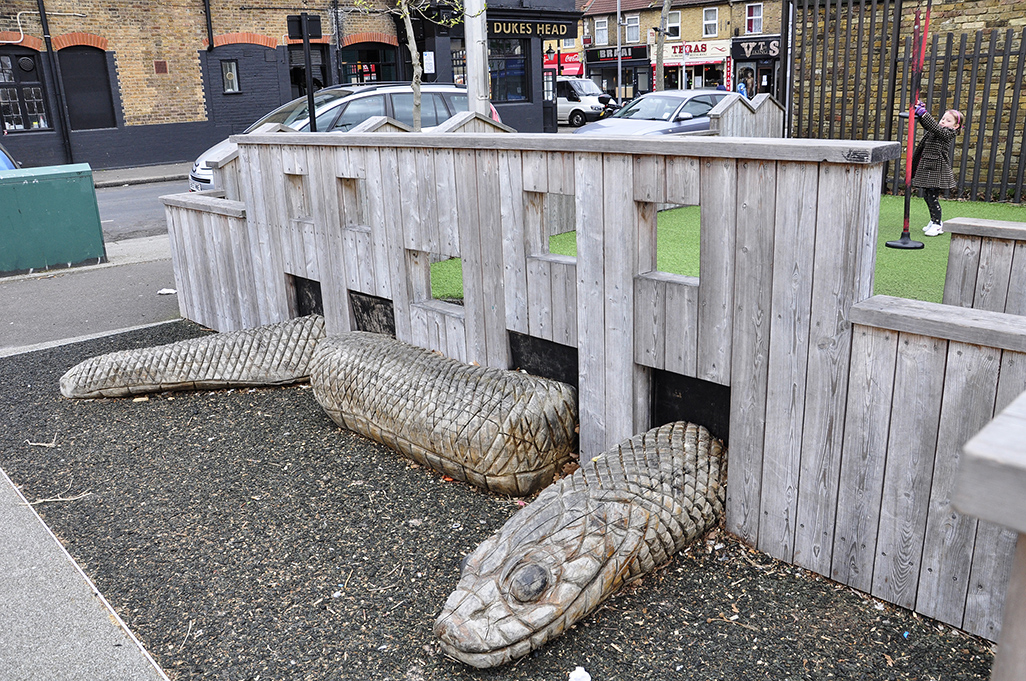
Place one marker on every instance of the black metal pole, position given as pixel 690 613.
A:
pixel 309 74
pixel 210 26
pixel 55 76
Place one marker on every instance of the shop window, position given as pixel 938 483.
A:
pixel 633 29
pixel 22 98
pixel 710 22
pixel 753 23
pixel 507 64
pixel 673 25
pixel 601 31
pixel 87 87
pixel 230 76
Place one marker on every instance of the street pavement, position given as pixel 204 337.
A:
pixel 54 624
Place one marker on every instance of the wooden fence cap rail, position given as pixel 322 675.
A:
pixel 206 202
pixel 994 229
pixel 960 324
pixel 992 474
pixel 747 148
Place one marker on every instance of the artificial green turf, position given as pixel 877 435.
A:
pixel 917 274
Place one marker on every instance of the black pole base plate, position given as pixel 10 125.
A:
pixel 905 242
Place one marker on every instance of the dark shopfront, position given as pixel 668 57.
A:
pixel 759 59
pixel 634 62
pixel 515 56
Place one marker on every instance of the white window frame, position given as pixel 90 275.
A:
pixel 751 27
pixel 673 24
pixel 601 31
pixel 568 43
pixel 710 27
pixel 632 28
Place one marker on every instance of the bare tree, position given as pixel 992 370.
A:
pixel 440 12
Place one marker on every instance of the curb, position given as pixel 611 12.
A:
pixel 103 184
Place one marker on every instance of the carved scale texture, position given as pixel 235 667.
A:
pixel 506 431
pixel 276 354
pixel 622 514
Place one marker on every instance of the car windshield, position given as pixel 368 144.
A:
pixel 652 108
pixel 585 87
pixel 295 114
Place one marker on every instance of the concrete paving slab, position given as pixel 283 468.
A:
pixel 54 624
pixel 40 310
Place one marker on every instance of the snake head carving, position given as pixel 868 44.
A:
pixel 549 566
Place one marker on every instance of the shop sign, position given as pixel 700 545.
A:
pixel 610 53
pixel 756 48
pixel 532 29
pixel 698 52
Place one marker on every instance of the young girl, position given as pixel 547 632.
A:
pixel 932 161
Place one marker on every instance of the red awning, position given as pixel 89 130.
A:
pixel 573 69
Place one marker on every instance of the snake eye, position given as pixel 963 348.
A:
pixel 529 582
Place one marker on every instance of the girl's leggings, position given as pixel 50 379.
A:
pixel 933 203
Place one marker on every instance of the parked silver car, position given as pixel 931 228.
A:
pixel 7 161
pixel 342 107
pixel 660 113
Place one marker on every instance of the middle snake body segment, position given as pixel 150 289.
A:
pixel 506 431
pixel 622 514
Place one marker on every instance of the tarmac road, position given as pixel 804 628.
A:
pixel 133 211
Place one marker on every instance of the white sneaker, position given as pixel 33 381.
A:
pixel 928 225
pixel 935 229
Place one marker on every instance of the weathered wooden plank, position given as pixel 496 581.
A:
pixel 647 237
pixel 1010 662
pixel 970 387
pixel 419 326
pixel 375 264
pixel 270 247
pixel 965 325
pixel 415 201
pixel 1016 301
pixel 177 224
pixel 445 191
pixel 649 313
pixel 994 272
pixel 716 263
pixel 539 298
pixel 564 280
pixel 514 240
pixel 560 172
pixel 470 250
pixel 220 246
pixel 750 345
pixel 536 171
pixel 680 324
pixel 650 179
pixel 792 275
pixel 991 229
pixel 847 152
pixel 536 239
pixel 591 304
pixel 848 207
pixel 963 266
pixel 915 418
pixel 455 336
pixel 387 239
pixel 866 425
pixel 619 263
pixel 492 265
pixel 683 180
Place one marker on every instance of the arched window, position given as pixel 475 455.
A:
pixel 22 97
pixel 87 87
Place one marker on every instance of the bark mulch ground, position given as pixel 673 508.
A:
pixel 242 535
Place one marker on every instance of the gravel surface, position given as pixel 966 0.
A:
pixel 242 535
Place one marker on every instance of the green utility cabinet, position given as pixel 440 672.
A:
pixel 49 219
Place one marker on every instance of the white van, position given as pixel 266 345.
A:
pixel 579 101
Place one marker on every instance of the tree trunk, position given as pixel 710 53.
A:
pixel 660 41
pixel 411 44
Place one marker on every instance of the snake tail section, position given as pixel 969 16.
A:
pixel 276 354
pixel 619 516
pixel 506 431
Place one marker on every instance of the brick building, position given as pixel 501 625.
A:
pixel 122 84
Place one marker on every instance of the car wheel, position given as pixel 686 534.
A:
pixel 577 119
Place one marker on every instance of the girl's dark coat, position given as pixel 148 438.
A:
pixel 932 157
